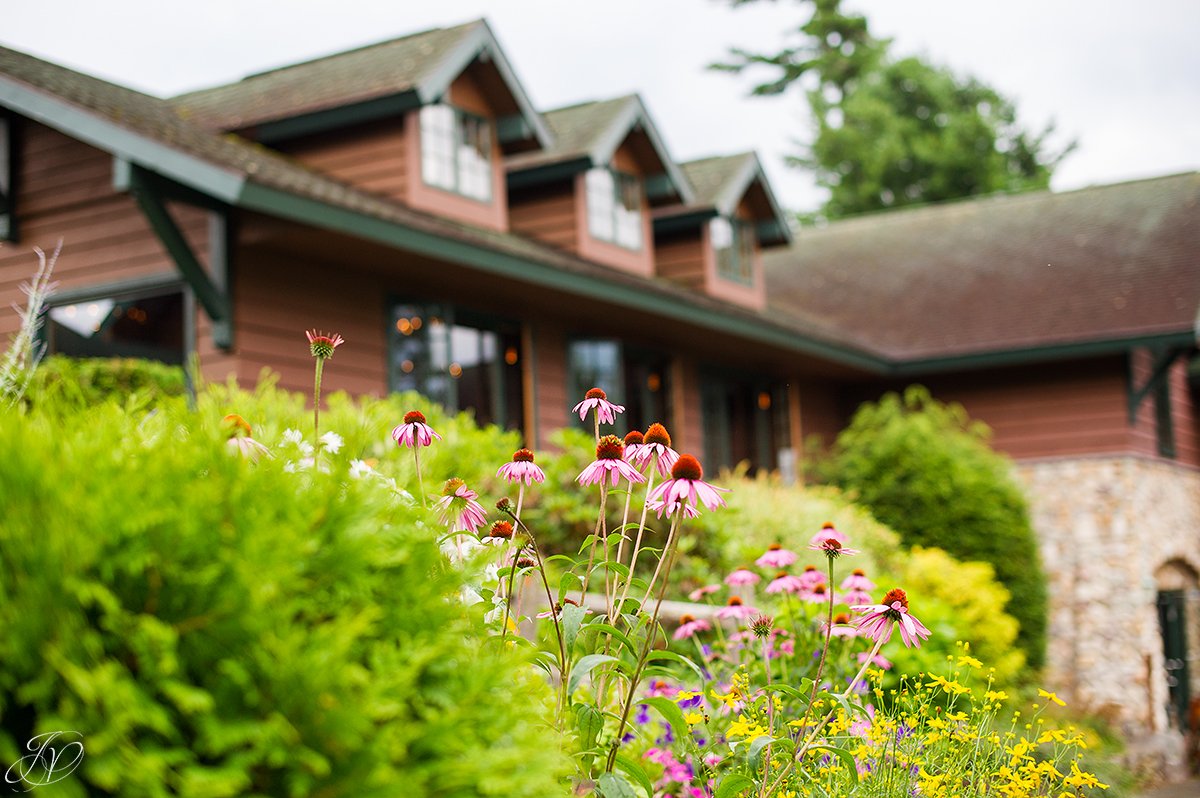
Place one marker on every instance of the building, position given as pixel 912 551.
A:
pixel 503 259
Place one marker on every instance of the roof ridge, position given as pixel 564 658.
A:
pixel 729 157
pixel 585 103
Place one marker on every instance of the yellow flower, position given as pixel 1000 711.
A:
pixel 743 728
pixel 1079 778
pixel 684 695
pixel 1052 697
pixel 693 718
pixel 728 699
pixel 996 695
pixel 971 661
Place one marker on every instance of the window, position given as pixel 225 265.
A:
pixel 149 326
pixel 744 419
pixel 633 377
pixel 461 360
pixel 733 243
pixel 614 206
pixel 456 151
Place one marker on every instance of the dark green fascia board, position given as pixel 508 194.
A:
pixel 1163 358
pixel 392 106
pixel 215 301
pixel 513 128
pixel 686 220
pixel 1040 354
pixel 549 172
pixel 317 214
pixel 659 186
pixel 771 232
pixel 119 289
pixel 122 181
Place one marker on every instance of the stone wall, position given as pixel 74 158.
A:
pixel 1113 532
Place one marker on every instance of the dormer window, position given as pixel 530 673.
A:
pixel 456 151
pixel 614 207
pixel 733 243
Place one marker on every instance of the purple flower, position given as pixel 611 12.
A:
pixel 878 620
pixel 597 400
pixel 522 468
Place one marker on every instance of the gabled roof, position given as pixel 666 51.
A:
pixel 410 71
pixel 1021 275
pixel 146 132
pixel 719 183
pixel 589 134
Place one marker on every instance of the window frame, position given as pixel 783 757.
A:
pixel 735 262
pixel 622 186
pixel 452 161
pixel 125 292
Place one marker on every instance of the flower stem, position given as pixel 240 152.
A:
pixel 420 483
pixel 637 544
pixel 766 644
pixel 828 636
pixel 595 538
pixel 317 398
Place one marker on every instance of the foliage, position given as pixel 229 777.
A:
pixel 18 364
pixel 889 132
pixel 68 383
pixel 925 469
pixel 214 627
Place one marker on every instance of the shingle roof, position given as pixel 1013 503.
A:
pixel 1001 273
pixel 377 70
pixel 579 129
pixel 711 177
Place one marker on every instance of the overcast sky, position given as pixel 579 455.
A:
pixel 1122 79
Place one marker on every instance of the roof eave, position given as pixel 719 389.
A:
pixel 751 171
pixel 632 116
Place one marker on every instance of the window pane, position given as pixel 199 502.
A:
pixel 150 327
pixel 745 241
pixel 474 157
pixel 595 363
pixel 437 145
pixel 600 204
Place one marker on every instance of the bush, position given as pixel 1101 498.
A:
pixel 216 628
pixel 77 383
pixel 925 469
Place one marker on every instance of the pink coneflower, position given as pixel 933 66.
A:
pixel 857 580
pixel 833 549
pixel 656 448
pixel 522 468
pixel 241 438
pixel 633 442
pixel 736 609
pixel 776 556
pixel 597 400
pixel 322 345
pixel 460 511
pixel 827 532
pixel 761 625
pixel 812 577
pixel 690 625
pixel 785 583
pixel 841 626
pixel 701 592
pixel 853 597
pixel 608 464
pixel 685 488
pixel 817 594
pixel 878 620
pixel 741 577
pixel 414 431
pixel 500 533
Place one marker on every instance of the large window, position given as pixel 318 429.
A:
pixel 744 420
pixel 634 377
pixel 733 243
pixel 456 151
pixel 459 359
pixel 614 207
pixel 147 326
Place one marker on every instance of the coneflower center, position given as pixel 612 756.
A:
pixel 858 572
pixel 595 393
pixel 452 485
pixel 610 448
pixel 414 417
pixel 657 433
pixel 819 590
pixel 775 547
pixel 502 529
pixel 781 574
pixel 687 618
pixel 522 456
pixel 634 438
pixel 894 595
pixel 841 617
pixel 687 467
pixel 735 601
pixel 235 423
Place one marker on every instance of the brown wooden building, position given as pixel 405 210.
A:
pixel 501 259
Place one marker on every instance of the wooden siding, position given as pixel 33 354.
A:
pixel 371 156
pixel 551 403
pixel 1184 402
pixel 546 213
pixel 687 434
pixel 65 193
pixel 679 257
pixel 752 296
pixel 639 261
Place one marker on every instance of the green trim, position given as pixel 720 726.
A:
pixel 513 128
pixel 214 300
pixel 132 288
pixel 659 186
pixel 1164 425
pixel 547 173
pixel 392 106
pixel 683 221
pixel 1163 358
pixel 1036 354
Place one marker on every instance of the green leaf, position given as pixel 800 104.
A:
pixel 589 722
pixel 670 712
pixel 584 666
pixel 614 785
pixel 733 785
pixel 673 657
pixel 618 635
pixel 846 757
pixel 572 617
pixel 634 770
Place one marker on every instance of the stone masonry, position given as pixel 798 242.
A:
pixel 1114 531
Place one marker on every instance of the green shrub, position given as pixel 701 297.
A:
pixel 217 628
pixel 69 382
pixel 925 469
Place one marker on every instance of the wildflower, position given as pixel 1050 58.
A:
pixel 322 345
pixel 360 469
pixel 1079 779
pixel 414 431
pixel 500 533
pixel 693 718
pixel 744 728
pixel 741 577
pixel 776 556
pixel 817 594
pixel 841 626
pixel 857 580
pixel 685 488
pixel 1052 697
pixel 735 608
pixel 877 621
pixel 701 592
pixel 833 545
pixel 596 399
pixel 969 661
pixel 459 509
pixel 633 441
pixel 761 625
pixel 785 583
pixel 690 625
pixel 522 468
pixel 855 597
pixel 241 440
pixel 812 577
pixel 332 442
pixel 656 448
pixel 608 463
